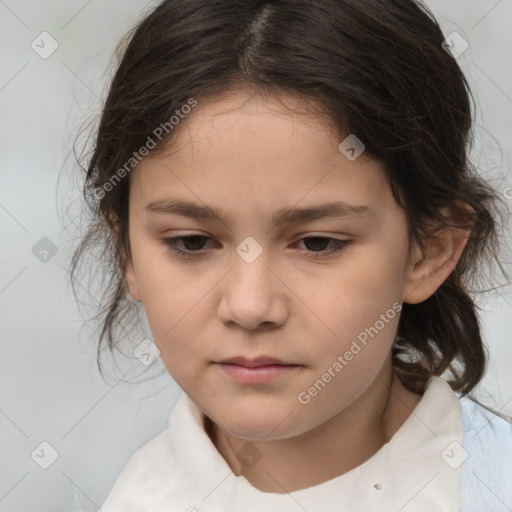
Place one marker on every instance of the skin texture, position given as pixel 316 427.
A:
pixel 250 157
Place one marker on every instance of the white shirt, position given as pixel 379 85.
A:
pixel 447 445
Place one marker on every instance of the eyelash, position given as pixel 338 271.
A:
pixel 170 243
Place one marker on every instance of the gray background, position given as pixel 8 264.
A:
pixel 50 388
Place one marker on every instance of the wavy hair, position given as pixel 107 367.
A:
pixel 375 68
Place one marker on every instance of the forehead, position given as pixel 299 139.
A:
pixel 242 115
pixel 250 150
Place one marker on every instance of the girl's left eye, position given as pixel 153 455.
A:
pixel 195 244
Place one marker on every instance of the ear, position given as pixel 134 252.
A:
pixel 431 265
pixel 131 281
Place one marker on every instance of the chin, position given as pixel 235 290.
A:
pixel 260 426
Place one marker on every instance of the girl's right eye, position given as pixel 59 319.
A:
pixel 189 252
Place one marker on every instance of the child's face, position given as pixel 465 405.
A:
pixel 295 301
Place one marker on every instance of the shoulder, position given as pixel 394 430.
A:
pixel 486 470
pixel 140 476
pixel 484 422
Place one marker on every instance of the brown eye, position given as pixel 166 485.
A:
pixel 317 248
pixel 318 243
pixel 192 244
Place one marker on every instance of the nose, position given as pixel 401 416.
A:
pixel 254 296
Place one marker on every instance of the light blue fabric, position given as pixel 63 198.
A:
pixel 486 478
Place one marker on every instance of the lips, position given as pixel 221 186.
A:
pixel 255 362
pixel 258 371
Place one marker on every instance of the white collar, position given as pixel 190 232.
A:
pixel 418 470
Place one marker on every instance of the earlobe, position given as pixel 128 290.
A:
pixel 431 265
pixel 131 281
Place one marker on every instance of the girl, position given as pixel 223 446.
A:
pixel 284 186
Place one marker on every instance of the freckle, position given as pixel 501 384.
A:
pixel 378 486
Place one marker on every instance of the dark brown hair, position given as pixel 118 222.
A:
pixel 374 68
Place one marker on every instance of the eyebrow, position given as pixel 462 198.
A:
pixel 284 216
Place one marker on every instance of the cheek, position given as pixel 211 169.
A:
pixel 376 275
pixel 353 295
pixel 351 359
pixel 358 308
pixel 176 328
pixel 174 314
pixel 176 304
pixel 164 294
